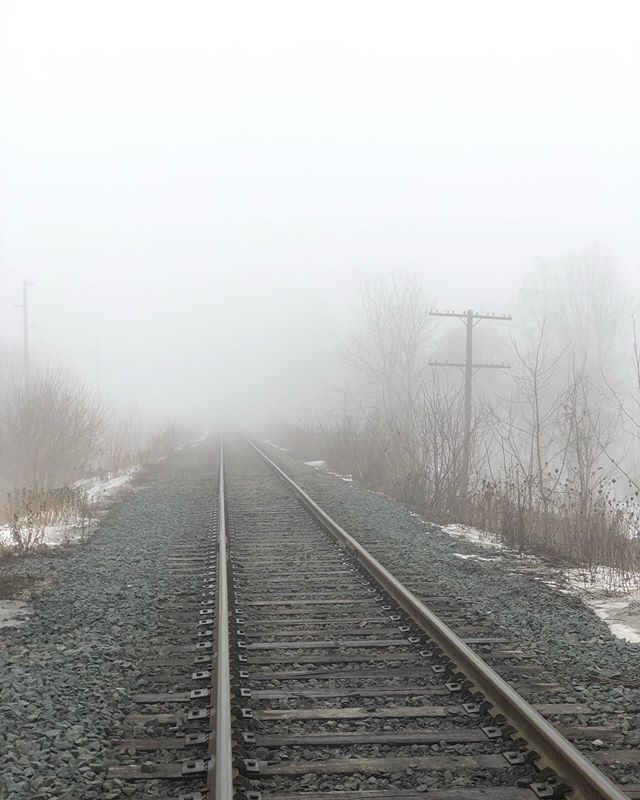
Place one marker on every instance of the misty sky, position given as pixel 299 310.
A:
pixel 196 188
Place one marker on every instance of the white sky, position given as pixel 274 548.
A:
pixel 177 176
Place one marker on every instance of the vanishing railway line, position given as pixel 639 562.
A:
pixel 295 666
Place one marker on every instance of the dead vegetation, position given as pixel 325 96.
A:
pixel 29 512
pixel 49 430
pixel 54 434
pixel 553 456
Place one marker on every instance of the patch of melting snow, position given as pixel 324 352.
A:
pixel 474 557
pixel 322 465
pixel 613 610
pixel 614 598
pixel 96 489
pixel 14 613
pixel 277 446
pixel 473 535
pixel 625 632
pixel 346 478
pixel 59 534
pixel 54 535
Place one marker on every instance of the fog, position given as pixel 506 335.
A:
pixel 195 191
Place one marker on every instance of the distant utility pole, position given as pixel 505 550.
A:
pixel 98 381
pixel 25 329
pixel 470 319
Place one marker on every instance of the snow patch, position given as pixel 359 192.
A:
pixel 342 477
pixel 96 489
pixel 602 579
pixel 277 446
pixel 99 488
pixel 619 612
pixel 474 557
pixel 322 466
pixel 54 535
pixel 625 632
pixel 614 597
pixel 473 535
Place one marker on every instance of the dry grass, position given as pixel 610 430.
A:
pixel 589 530
pixel 29 512
pixel 49 429
pixel 592 531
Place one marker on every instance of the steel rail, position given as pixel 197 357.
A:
pixel 220 780
pixel 553 750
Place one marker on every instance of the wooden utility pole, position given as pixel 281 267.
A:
pixel 25 330
pixel 98 376
pixel 470 319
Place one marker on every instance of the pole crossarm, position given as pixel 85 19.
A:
pixel 474 315
pixel 470 319
pixel 473 366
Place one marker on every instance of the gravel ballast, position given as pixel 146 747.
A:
pixel 66 674
pixel 279 554
pixel 554 629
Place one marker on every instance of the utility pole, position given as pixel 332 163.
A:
pixel 25 330
pixel 98 381
pixel 470 319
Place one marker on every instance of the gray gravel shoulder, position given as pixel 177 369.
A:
pixel 553 628
pixel 64 676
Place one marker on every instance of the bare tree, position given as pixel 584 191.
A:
pixel 528 418
pixel 49 430
pixel 584 304
pixel 589 433
pixel 387 352
pixel 440 425
pixel 388 348
pixel 121 443
pixel 542 454
pixel 625 400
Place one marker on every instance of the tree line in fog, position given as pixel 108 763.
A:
pixel 54 431
pixel 554 440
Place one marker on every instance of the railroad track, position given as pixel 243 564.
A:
pixel 296 667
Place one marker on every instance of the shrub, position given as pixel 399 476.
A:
pixel 49 430
pixel 31 511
